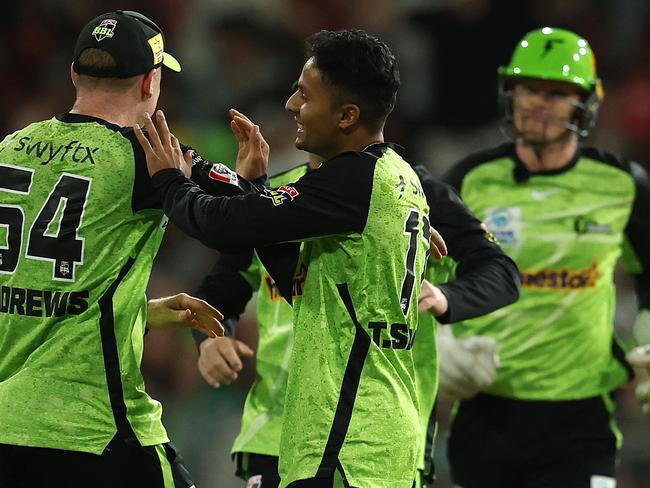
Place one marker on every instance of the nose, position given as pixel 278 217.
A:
pixel 291 105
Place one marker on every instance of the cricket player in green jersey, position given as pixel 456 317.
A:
pixel 351 411
pixel 486 280
pixel 80 226
pixel 566 214
pixel 232 282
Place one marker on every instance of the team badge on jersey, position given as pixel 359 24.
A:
pixel 106 28
pixel 505 224
pixel 221 172
pixel 280 195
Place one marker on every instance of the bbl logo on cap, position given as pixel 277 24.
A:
pixel 104 29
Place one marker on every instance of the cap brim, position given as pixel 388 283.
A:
pixel 171 62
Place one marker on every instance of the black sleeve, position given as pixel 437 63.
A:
pixel 227 290
pixel 211 177
pixel 638 232
pixel 333 199
pixel 486 279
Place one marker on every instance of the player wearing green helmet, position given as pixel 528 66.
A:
pixel 554 55
pixel 565 214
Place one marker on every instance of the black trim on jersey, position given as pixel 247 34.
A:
pixel 349 387
pixel 344 478
pixel 619 355
pixel 112 359
pixel 429 471
pixel 520 172
pixel 638 232
pixel 486 278
pixel 457 172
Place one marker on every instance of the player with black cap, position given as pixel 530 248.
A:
pixel 83 226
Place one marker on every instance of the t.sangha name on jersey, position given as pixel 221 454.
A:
pixel 42 303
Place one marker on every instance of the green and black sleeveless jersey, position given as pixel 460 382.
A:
pixel 351 404
pixel 565 230
pixel 80 225
pixel 228 287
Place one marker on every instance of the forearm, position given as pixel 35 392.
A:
pixel 482 285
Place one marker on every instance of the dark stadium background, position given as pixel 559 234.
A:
pixel 246 54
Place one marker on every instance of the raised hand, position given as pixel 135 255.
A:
pixel 162 149
pixel 253 154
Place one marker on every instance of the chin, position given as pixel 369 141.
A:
pixel 300 144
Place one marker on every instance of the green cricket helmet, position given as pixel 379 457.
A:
pixel 557 55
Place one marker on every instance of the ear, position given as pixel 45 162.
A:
pixel 148 84
pixel 73 75
pixel 348 115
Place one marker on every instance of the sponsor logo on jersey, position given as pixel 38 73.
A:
pixel 47 152
pixel 221 172
pixel 561 279
pixel 42 303
pixel 106 28
pixel 281 195
pixel 505 224
pixel 584 225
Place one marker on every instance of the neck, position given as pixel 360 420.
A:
pixel 549 157
pixel 110 107
pixel 359 140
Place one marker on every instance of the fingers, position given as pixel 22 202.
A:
pixel 186 168
pixel 205 317
pixel 438 246
pixel 244 350
pixel 236 113
pixel 237 132
pixel 198 306
pixel 212 363
pixel 165 133
pixel 639 357
pixel 246 128
pixel 642 393
pixel 144 142
pixel 152 131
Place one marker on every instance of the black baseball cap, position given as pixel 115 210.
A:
pixel 135 41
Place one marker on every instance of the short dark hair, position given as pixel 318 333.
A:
pixel 99 59
pixel 361 67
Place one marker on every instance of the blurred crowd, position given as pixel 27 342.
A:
pixel 247 54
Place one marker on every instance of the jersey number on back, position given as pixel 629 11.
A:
pixel 412 229
pixel 54 233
